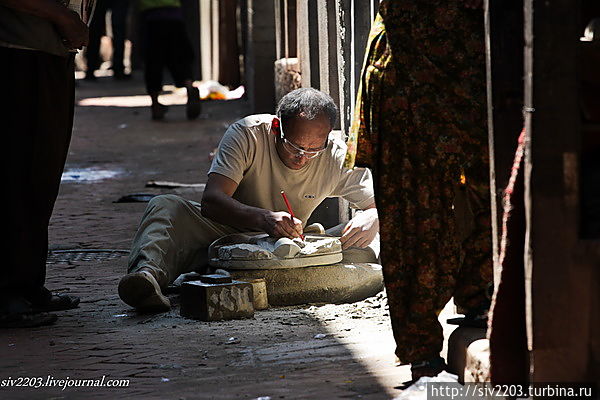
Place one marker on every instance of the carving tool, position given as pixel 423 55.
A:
pixel 289 207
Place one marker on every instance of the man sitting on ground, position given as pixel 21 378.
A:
pixel 259 156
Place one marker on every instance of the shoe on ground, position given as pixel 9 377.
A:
pixel 159 111
pixel 58 302
pixel 428 368
pixel 140 290
pixel 194 107
pixel 43 300
pixel 18 312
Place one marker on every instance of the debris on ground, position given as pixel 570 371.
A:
pixel 136 198
pixel 173 185
pixel 374 307
pixel 213 90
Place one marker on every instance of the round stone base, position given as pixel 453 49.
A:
pixel 337 283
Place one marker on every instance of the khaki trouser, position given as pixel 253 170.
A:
pixel 173 238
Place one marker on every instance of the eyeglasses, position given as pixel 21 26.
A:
pixel 299 152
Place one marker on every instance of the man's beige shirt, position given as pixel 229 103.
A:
pixel 247 155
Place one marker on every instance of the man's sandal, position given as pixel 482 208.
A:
pixel 58 302
pixel 427 368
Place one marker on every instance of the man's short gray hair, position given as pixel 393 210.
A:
pixel 307 103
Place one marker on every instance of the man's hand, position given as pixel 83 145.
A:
pixel 281 224
pixel 73 30
pixel 361 230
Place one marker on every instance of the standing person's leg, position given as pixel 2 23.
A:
pixel 414 194
pixel 155 52
pixel 179 62
pixel 475 278
pixel 419 252
pixel 120 12
pixel 417 112
pixel 39 126
pixel 173 238
pixel 413 201
pixel 97 30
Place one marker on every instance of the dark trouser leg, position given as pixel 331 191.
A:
pixel 181 55
pixel 154 55
pixel 120 9
pixel 420 263
pixel 37 119
pixel 97 30
pixel 420 250
pixel 476 270
pixel 179 62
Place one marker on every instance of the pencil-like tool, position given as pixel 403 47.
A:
pixel 289 207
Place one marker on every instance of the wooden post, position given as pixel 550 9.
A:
pixel 313 43
pixel 345 74
pixel 303 42
pixel 362 12
pixel 214 35
pixel 229 60
pixel 291 43
pixel 559 266
pixel 332 49
pixel 504 59
pixel 206 41
pixel 280 32
pixel 260 55
pixel 504 42
pixel 323 45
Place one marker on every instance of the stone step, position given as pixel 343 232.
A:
pixel 469 355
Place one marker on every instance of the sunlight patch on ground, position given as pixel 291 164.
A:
pixel 374 347
pixel 171 96
pixel 364 330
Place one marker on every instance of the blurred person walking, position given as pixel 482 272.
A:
pixel 166 45
pixel 420 124
pixel 119 13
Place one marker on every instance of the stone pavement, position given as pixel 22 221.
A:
pixel 275 355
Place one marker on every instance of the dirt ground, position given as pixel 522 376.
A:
pixel 312 351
